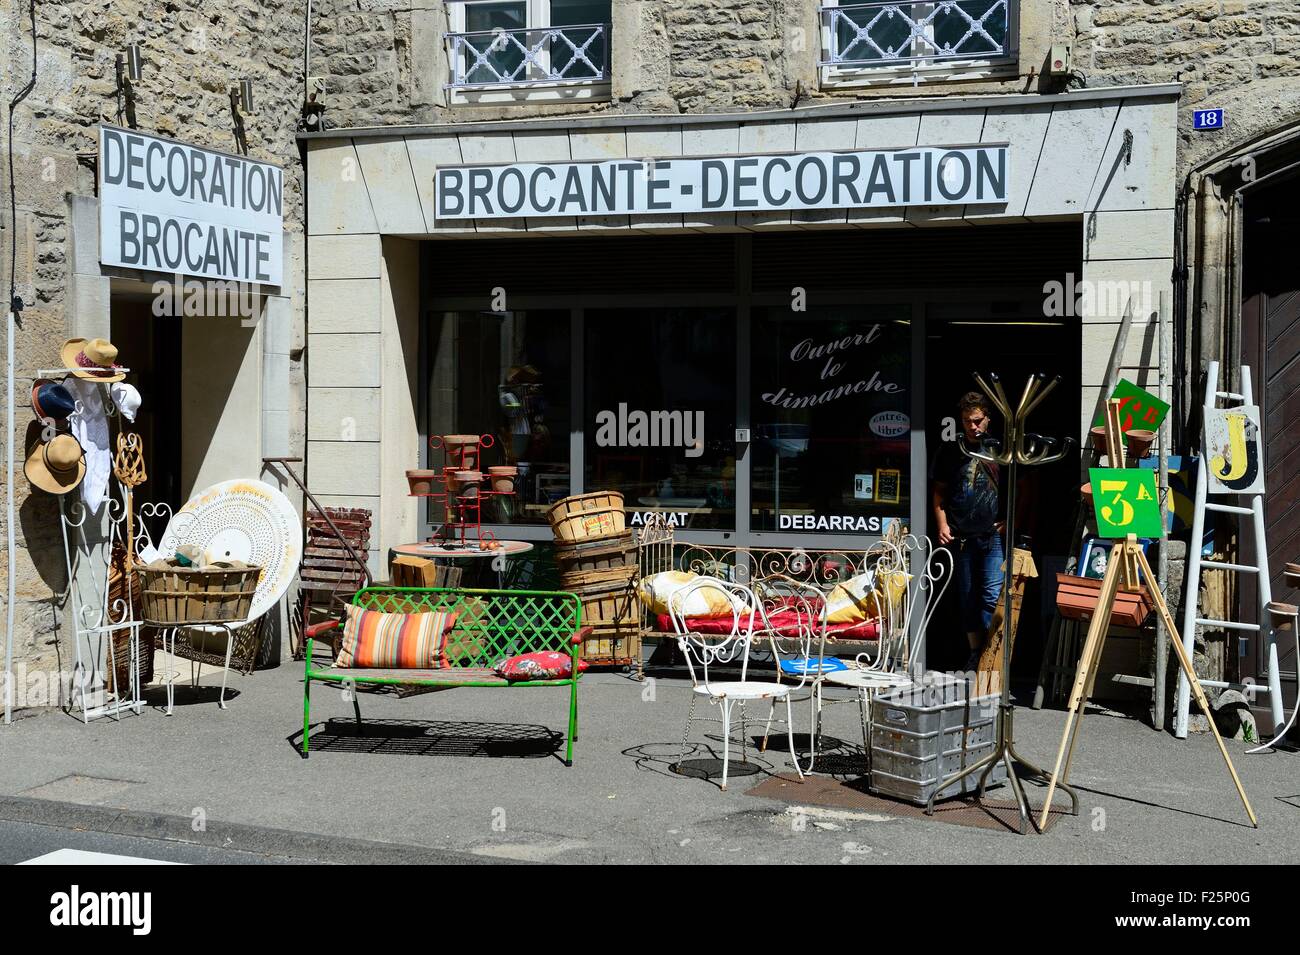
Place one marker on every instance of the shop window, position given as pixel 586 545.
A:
pixel 551 48
pixel 659 421
pixel 505 374
pixel 831 437
pixel 893 42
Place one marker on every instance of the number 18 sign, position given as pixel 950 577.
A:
pixel 1208 118
pixel 1125 501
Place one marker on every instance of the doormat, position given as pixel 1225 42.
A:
pixel 996 813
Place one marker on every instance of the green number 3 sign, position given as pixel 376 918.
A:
pixel 1125 501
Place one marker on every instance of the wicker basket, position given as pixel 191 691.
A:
pixel 177 596
pixel 588 516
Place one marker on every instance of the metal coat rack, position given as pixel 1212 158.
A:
pixel 1018 447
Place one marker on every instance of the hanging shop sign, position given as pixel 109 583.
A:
pixel 1232 450
pixel 1137 408
pixel 170 207
pixel 1125 502
pixel 924 175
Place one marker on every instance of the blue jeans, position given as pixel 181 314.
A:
pixel 979 579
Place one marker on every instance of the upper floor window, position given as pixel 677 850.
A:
pixel 897 42
pixel 509 45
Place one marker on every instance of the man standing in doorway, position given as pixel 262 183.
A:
pixel 966 499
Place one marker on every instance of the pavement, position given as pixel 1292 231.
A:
pixel 477 775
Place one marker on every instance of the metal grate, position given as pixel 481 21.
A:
pixel 541 55
pixel 893 34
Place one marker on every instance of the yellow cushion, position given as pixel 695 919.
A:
pixel 865 597
pixel 657 592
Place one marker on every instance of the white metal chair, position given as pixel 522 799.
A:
pixel 245 520
pixel 897 660
pixel 705 651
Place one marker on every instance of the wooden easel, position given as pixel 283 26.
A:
pixel 1128 568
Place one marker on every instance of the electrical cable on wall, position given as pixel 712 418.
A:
pixel 15 310
pixel 15 302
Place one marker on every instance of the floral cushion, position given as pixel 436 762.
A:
pixel 539 665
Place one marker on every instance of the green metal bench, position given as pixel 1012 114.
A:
pixel 490 626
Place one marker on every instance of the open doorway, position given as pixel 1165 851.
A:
pixel 1010 338
pixel 151 347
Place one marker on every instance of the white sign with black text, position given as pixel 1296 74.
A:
pixel 923 175
pixel 170 207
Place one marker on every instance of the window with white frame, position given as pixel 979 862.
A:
pixel 891 41
pixel 527 44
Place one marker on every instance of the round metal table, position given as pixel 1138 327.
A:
pixel 451 551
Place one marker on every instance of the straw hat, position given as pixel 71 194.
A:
pixel 97 356
pixel 56 466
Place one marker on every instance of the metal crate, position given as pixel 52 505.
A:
pixel 927 732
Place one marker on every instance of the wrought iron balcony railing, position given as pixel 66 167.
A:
pixel 529 57
pixel 864 35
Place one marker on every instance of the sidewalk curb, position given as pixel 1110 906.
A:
pixel 286 843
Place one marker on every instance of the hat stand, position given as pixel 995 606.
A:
pixel 88 544
pixel 1017 447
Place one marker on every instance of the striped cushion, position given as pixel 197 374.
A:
pixel 395 640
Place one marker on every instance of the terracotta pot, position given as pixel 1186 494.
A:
pixel 503 478
pixel 1139 442
pixel 421 480
pixel 1086 491
pixel 1099 439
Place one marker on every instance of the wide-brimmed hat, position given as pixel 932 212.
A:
pixel 57 465
pixel 51 400
pixel 96 355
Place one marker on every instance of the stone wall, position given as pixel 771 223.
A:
pixel 193 53
pixel 1239 55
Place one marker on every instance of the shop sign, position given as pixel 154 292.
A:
pixel 169 207
pixel 1137 408
pixel 860 179
pixel 1125 501
pixel 848 523
pixel 1232 450
pixel 671 518
pixel 890 424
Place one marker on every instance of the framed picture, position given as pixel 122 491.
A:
pixel 1094 558
pixel 887 485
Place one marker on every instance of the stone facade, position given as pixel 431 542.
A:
pixel 383 62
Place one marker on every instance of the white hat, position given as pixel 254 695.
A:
pixel 127 399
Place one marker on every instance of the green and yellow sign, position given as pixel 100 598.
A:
pixel 1125 501
pixel 1137 408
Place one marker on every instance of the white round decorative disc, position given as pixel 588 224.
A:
pixel 249 521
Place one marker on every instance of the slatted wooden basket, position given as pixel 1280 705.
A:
pixel 181 596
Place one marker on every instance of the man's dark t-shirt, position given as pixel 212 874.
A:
pixel 971 497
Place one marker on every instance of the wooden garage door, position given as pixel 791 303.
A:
pixel 1271 346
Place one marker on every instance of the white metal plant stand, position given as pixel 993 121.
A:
pixel 88 554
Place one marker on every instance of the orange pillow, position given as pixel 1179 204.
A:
pixel 408 641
